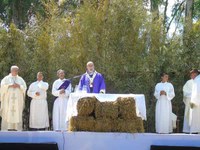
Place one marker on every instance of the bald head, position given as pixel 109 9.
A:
pixel 14 70
pixel 90 67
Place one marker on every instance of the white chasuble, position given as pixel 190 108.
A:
pixel 12 102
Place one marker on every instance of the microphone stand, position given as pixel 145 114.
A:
pixel 72 78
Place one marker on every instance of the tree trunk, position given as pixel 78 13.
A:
pixel 165 17
pixel 155 16
pixel 188 16
pixel 17 9
pixel 154 9
pixel 14 13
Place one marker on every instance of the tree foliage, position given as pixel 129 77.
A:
pixel 124 40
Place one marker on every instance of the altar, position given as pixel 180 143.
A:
pixel 74 97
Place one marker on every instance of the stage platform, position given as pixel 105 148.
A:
pixel 100 141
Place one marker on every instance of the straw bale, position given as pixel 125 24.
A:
pixel 86 106
pixel 86 123
pixel 103 125
pixel 125 126
pixel 139 125
pixel 127 108
pixel 106 110
pixel 73 124
pixel 78 123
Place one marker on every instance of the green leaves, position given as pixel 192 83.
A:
pixel 127 46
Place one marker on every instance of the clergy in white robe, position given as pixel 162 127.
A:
pixel 195 104
pixel 39 118
pixel 13 89
pixel 164 93
pixel 61 90
pixel 187 92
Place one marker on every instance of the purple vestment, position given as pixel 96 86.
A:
pixel 64 85
pixel 98 83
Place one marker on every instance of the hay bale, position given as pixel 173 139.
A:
pixel 122 125
pixel 73 124
pixel 98 110
pixel 107 110
pixel 85 123
pixel 127 108
pixel 106 125
pixel 103 125
pixel 86 106
pixel 139 125
pixel 78 123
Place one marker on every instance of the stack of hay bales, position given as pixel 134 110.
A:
pixel 105 113
pixel 117 116
pixel 127 118
pixel 85 119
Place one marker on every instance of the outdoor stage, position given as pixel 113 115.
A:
pixel 100 141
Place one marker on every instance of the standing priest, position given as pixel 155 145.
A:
pixel 195 103
pixel 61 90
pixel 39 118
pixel 13 89
pixel 187 93
pixel 92 80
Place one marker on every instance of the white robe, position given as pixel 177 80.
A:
pixel 39 117
pixel 187 92
pixel 195 112
pixel 164 107
pixel 60 105
pixel 12 102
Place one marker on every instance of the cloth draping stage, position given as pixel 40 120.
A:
pixel 100 141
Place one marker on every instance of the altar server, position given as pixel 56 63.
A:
pixel 92 81
pixel 61 90
pixel 164 93
pixel 39 118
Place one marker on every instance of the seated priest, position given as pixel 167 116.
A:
pixel 92 81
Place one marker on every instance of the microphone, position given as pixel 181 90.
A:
pixel 71 79
pixel 77 76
